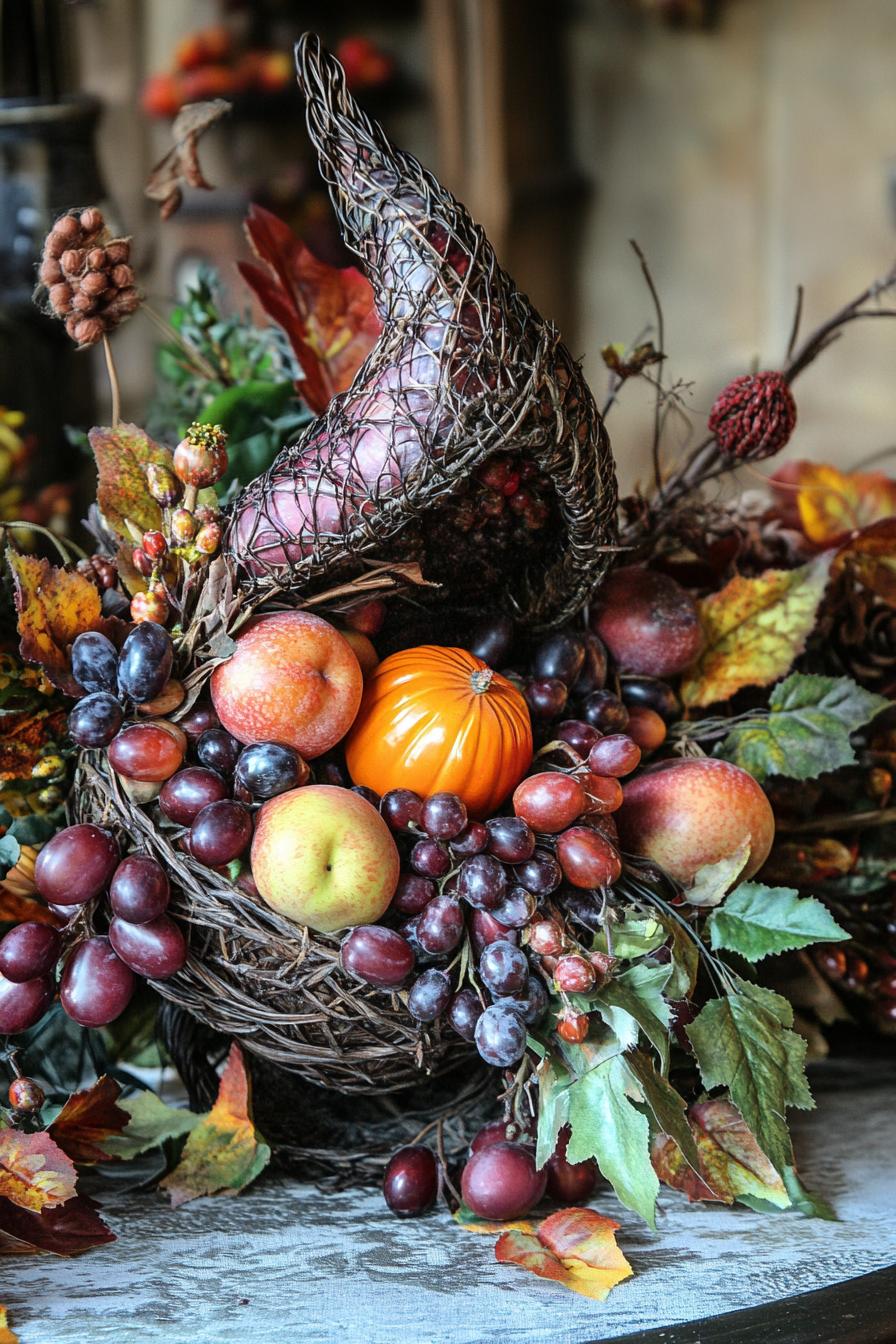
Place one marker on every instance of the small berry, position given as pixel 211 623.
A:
pixel 164 486
pixel 183 527
pixel 753 417
pixel 208 538
pixel 25 1095
pixel 573 974
pixel 546 938
pixel 149 607
pixel 573 1027
pixel 142 563
pixel 155 545
pixel 200 459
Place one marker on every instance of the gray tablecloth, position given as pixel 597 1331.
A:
pixel 285 1264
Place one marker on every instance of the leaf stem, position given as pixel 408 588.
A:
pixel 51 536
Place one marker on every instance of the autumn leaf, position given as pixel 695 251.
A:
pixel 69 1229
pixel 54 606
pixel 181 163
pixel 87 1120
pixel 150 1123
pixel 575 1247
pixel 871 559
pixel 25 735
pixel 326 312
pixel 122 454
pixel 832 504
pixel 7 1336
pixel 754 629
pixel 731 1162
pixel 34 1171
pixel 225 1151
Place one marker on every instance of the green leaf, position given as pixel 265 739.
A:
pixel 151 1123
pixel 553 1107
pixel 714 880
pixel 606 1126
pixel 806 731
pixel 757 921
pixel 638 994
pixel 10 849
pixel 812 1205
pixel 666 1108
pixel 242 410
pixel 685 963
pixel 633 938
pixel 743 1042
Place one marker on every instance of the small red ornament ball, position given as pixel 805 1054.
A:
pixel 754 416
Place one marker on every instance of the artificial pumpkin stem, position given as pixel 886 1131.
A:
pixel 481 680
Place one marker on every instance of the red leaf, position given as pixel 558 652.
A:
pixel 327 313
pixel 87 1119
pixel 69 1229
pixel 34 1173
pixel 575 1247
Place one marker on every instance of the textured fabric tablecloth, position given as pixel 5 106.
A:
pixel 285 1264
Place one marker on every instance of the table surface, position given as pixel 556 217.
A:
pixel 284 1262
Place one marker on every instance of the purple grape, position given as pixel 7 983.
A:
pixel 369 795
pixel 444 816
pixel 473 839
pixel 411 1183
pixel 510 839
pixel 429 996
pixel 560 656
pixel 430 858
pixel 29 951
pixel 541 874
pixel 94 661
pixel 220 833
pixel 156 950
pixel 377 956
pixel 500 1036
pixel 139 891
pixel 412 894
pixel 534 999
pixel 593 675
pixel 76 864
pixel 217 750
pixel 503 968
pixel 145 663
pixel 400 808
pixel 482 882
pixel 95 720
pixel 650 693
pixel 580 735
pixel 96 984
pixel 546 697
pixel 605 711
pixel 186 793
pixel 464 1012
pixel 24 1002
pixel 440 926
pixel 492 641
pixel 266 769
pixel 516 909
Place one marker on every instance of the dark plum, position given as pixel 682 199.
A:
pixel 94 661
pixel 145 663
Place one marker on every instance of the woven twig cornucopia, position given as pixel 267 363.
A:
pixel 464 368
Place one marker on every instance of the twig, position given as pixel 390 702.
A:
pixel 836 821
pixel 51 536
pixel 113 382
pixel 660 341
pixel 797 316
pixel 172 334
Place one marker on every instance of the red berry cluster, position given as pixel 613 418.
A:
pixel 506 498
pixel 87 275
pixel 754 416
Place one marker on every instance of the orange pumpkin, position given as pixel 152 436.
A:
pixel 433 720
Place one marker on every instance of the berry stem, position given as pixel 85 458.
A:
pixel 113 382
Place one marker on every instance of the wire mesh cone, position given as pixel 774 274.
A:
pixel 464 368
pixel 275 986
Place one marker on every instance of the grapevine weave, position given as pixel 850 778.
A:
pixel 464 368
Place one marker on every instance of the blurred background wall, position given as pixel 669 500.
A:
pixel 748 145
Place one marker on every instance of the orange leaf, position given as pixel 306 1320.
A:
pixel 7 1336
pixel 832 504
pixel 34 1172
pixel 754 630
pixel 18 893
pixel 54 606
pixel 731 1162
pixel 122 455
pixel 25 734
pixel 69 1229
pixel 575 1247
pixel 87 1119
pixel 326 312
pixel 225 1151
pixel 871 556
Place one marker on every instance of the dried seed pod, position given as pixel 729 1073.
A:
pixel 88 330
pixel 91 220
pixel 118 251
pixel 97 259
pixel 122 304
pixel 83 303
pixel 72 323
pixel 122 276
pixel 72 260
pixel 67 228
pixel 94 284
pixel 61 298
pixel 164 486
pixel 50 272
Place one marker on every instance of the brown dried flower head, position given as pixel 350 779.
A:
pixel 85 276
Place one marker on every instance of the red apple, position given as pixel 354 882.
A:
pixel 324 857
pixel 292 679
pixel 649 622
pixel 363 649
pixel 684 814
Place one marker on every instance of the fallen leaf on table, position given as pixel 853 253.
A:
pixel 225 1151
pixel 88 1120
pixel 7 1336
pixel 832 503
pixel 326 311
pixel 34 1171
pixel 181 163
pixel 122 454
pixel 69 1229
pixel 150 1123
pixel 54 606
pixel 731 1162
pixel 754 629
pixel 575 1247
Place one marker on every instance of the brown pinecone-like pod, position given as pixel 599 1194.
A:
pixel 85 277
pixel 464 368
pixel 754 416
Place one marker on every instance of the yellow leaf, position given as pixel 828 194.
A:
pixel 731 1162
pixel 122 455
pixel 575 1247
pixel 34 1172
pixel 832 504
pixel 54 606
pixel 225 1151
pixel 871 557
pixel 754 630
pixel 7 1336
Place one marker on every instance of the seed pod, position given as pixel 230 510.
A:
pixel 83 303
pixel 96 259
pixel 154 544
pixel 118 251
pixel 89 330
pixel 200 458
pixel 91 220
pixel 183 527
pixel 50 272
pixel 61 298
pixel 150 607
pixel 164 486
pixel 68 229
pixel 94 284
pixel 208 538
pixel 72 260
pixel 122 304
pixel 122 276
